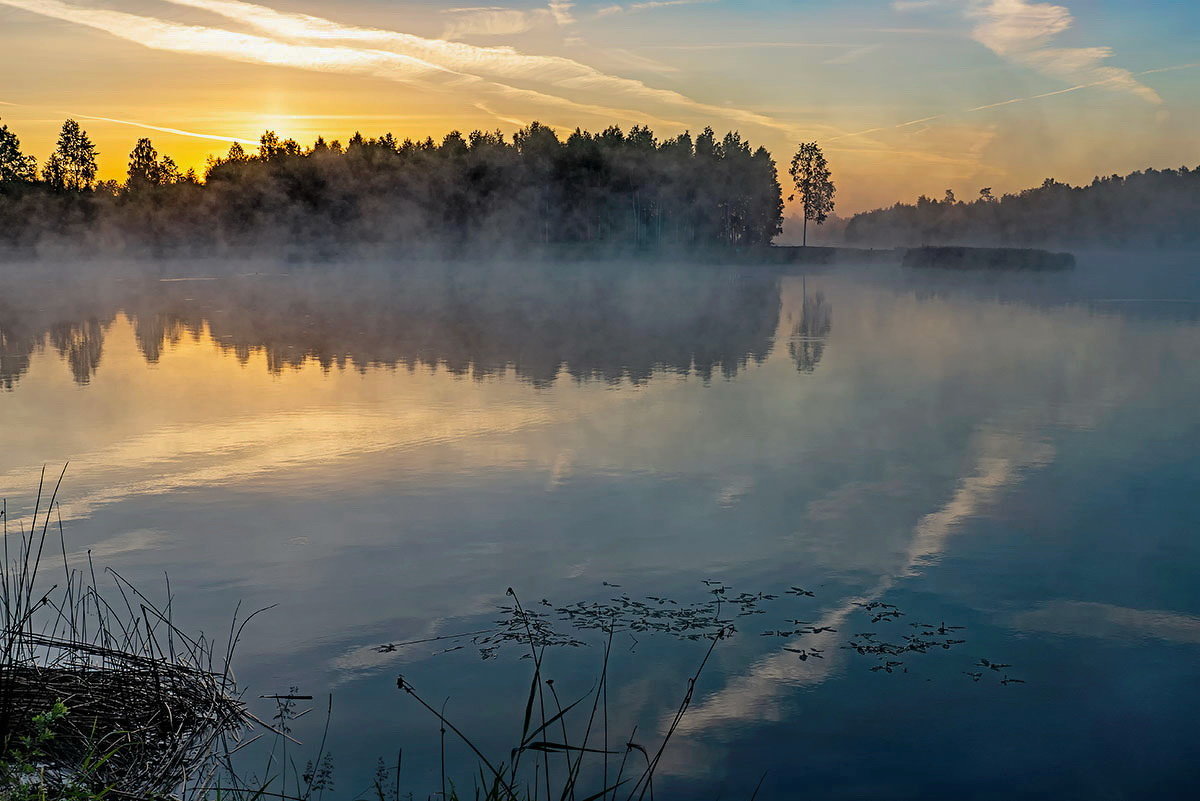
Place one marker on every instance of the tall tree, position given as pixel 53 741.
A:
pixel 811 177
pixel 169 172
pixel 53 171
pixel 14 165
pixel 75 155
pixel 144 168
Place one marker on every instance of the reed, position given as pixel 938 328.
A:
pixel 147 711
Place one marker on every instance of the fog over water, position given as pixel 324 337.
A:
pixel 383 455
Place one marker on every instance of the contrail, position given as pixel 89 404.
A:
pixel 180 132
pixel 1011 101
pixel 510 120
pixel 146 125
pixel 893 127
pixel 1085 86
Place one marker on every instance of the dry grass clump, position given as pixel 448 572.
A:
pixel 151 711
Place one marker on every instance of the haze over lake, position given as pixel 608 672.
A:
pixel 383 457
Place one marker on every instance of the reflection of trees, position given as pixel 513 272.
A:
pixel 15 351
pixel 80 345
pixel 19 337
pixel 589 324
pixel 811 332
pixel 154 330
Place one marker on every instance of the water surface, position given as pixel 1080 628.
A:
pixel 383 457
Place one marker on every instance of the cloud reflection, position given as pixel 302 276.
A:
pixel 1105 621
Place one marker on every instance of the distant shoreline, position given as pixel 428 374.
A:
pixel 950 257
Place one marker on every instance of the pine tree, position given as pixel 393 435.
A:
pixel 15 166
pixel 144 168
pixel 75 154
pixel 54 172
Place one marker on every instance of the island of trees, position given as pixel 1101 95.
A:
pixel 1152 208
pixel 480 192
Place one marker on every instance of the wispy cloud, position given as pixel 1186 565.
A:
pixel 1023 32
pixel 647 5
pixel 307 42
pixel 852 54
pixel 160 34
pixel 495 21
pixel 747 45
pixel 916 5
pixel 1013 100
pixel 635 61
pixel 561 9
pixel 386 64
pixel 494 63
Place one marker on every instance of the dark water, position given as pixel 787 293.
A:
pixel 382 458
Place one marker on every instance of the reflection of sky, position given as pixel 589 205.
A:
pixel 958 455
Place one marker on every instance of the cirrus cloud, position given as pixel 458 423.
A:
pixel 554 73
pixel 547 83
pixel 1023 32
pixel 495 21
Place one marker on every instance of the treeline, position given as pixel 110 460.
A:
pixel 1153 208
pixel 480 192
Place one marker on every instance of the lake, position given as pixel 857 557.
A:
pixel 382 455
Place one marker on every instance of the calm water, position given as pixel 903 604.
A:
pixel 1017 455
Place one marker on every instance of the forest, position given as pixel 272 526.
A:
pixel 474 194
pixel 1151 208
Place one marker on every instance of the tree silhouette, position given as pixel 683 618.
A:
pixel 1155 208
pixel 54 171
pixel 169 171
pixel 75 160
pixel 144 168
pixel 15 167
pixel 477 193
pixel 811 177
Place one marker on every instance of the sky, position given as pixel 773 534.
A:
pixel 906 97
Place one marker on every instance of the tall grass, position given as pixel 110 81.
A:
pixel 145 709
